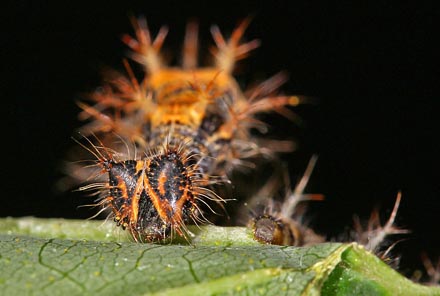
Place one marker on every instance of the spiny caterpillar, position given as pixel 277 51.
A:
pixel 282 223
pixel 183 130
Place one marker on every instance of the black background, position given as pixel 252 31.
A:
pixel 372 67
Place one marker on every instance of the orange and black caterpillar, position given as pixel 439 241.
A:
pixel 183 129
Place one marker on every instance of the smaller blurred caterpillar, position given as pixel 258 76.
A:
pixel 183 129
pixel 282 223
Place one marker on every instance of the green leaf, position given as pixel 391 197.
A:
pixel 38 259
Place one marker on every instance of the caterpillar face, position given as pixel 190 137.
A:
pixel 270 230
pixel 189 126
pixel 152 195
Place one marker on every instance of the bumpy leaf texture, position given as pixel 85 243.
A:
pixel 37 260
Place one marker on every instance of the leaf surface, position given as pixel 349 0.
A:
pixel 38 259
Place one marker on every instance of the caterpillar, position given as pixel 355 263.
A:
pixel 280 223
pixel 162 143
